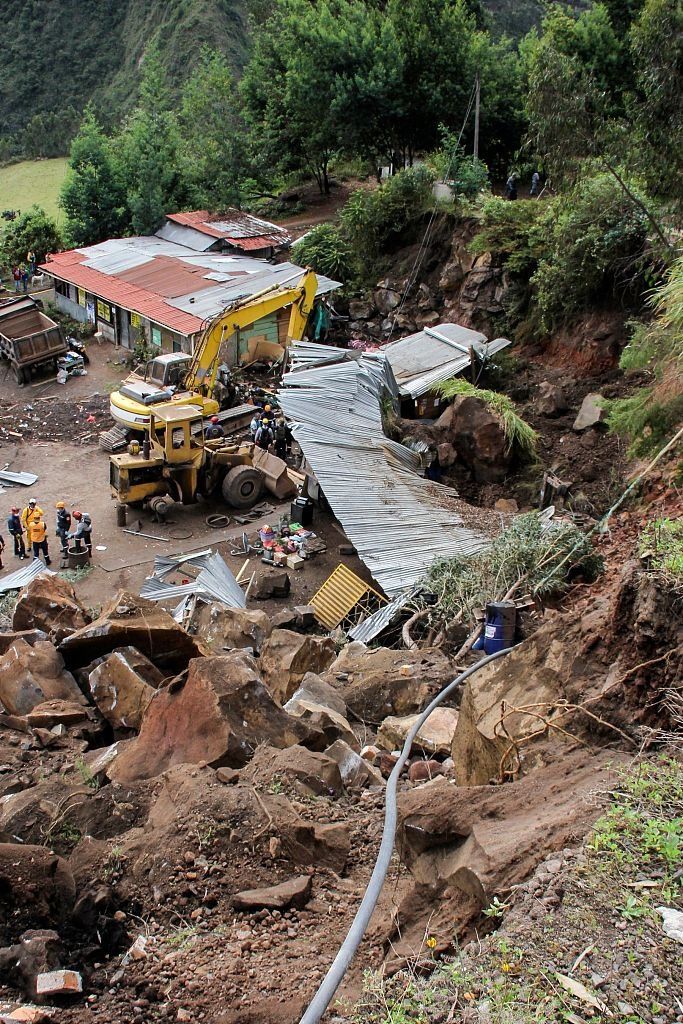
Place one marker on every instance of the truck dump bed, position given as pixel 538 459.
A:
pixel 28 336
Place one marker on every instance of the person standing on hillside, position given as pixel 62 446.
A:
pixel 535 184
pixel 511 187
pixel 31 260
pixel 16 277
pixel 24 277
pixel 16 530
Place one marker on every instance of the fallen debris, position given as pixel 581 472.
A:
pixel 295 892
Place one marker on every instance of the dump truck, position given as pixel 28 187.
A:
pixel 28 338
pixel 176 460
pixel 195 379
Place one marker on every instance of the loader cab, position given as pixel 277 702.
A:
pixel 179 430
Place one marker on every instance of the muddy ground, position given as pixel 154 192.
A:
pixel 59 428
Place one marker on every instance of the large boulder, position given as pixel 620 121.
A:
pixel 486 839
pixel 122 684
pixel 217 716
pixel 355 771
pixel 592 412
pixel 323 720
pixel 131 621
pixel 479 439
pixel 50 604
pixel 31 675
pixel 381 682
pixel 435 736
pixel 313 772
pixel 287 657
pixel 231 629
pixel 38 890
pixel 551 400
pixel 315 690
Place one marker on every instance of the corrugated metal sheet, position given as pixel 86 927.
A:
pixel 371 627
pixel 183 235
pixel 435 354
pixel 209 302
pixel 22 577
pixel 167 277
pixel 214 582
pixel 339 595
pixel 398 521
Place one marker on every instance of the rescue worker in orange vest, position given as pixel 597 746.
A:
pixel 38 537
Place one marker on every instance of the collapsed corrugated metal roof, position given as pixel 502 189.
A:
pixel 398 521
pixel 214 582
pixel 22 577
pixel 435 354
pixel 235 227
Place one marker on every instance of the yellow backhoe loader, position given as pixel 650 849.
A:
pixel 193 379
pixel 175 460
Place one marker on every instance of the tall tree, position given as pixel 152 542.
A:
pixel 35 231
pixel 92 196
pixel 148 151
pixel 213 147
pixel 289 92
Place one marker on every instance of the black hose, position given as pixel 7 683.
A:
pixel 332 980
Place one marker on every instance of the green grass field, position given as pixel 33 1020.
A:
pixel 32 181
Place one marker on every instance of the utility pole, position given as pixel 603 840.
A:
pixel 477 94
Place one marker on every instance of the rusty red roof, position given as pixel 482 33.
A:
pixel 68 266
pixel 240 229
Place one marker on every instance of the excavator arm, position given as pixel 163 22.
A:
pixel 201 374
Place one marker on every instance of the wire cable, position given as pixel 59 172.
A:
pixel 332 980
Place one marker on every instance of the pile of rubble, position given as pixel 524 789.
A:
pixel 237 777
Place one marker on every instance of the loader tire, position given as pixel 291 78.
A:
pixel 242 486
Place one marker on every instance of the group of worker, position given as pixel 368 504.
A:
pixel 268 430
pixel 31 522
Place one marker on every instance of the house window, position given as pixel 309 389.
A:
pixel 104 311
pixel 62 288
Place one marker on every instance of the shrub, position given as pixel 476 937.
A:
pixel 370 218
pixel 325 250
pixel 595 249
pixel 467 176
pixel 513 232
pixel 662 542
pixel 653 413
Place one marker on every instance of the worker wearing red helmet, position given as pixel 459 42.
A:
pixel 214 431
pixel 16 530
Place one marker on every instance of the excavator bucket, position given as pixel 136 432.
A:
pixel 274 470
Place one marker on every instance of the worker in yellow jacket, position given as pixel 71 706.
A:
pixel 37 532
pixel 31 513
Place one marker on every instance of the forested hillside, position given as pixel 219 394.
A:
pixel 57 56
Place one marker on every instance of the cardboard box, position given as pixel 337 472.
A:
pixel 295 562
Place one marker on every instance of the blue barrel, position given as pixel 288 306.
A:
pixel 499 629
